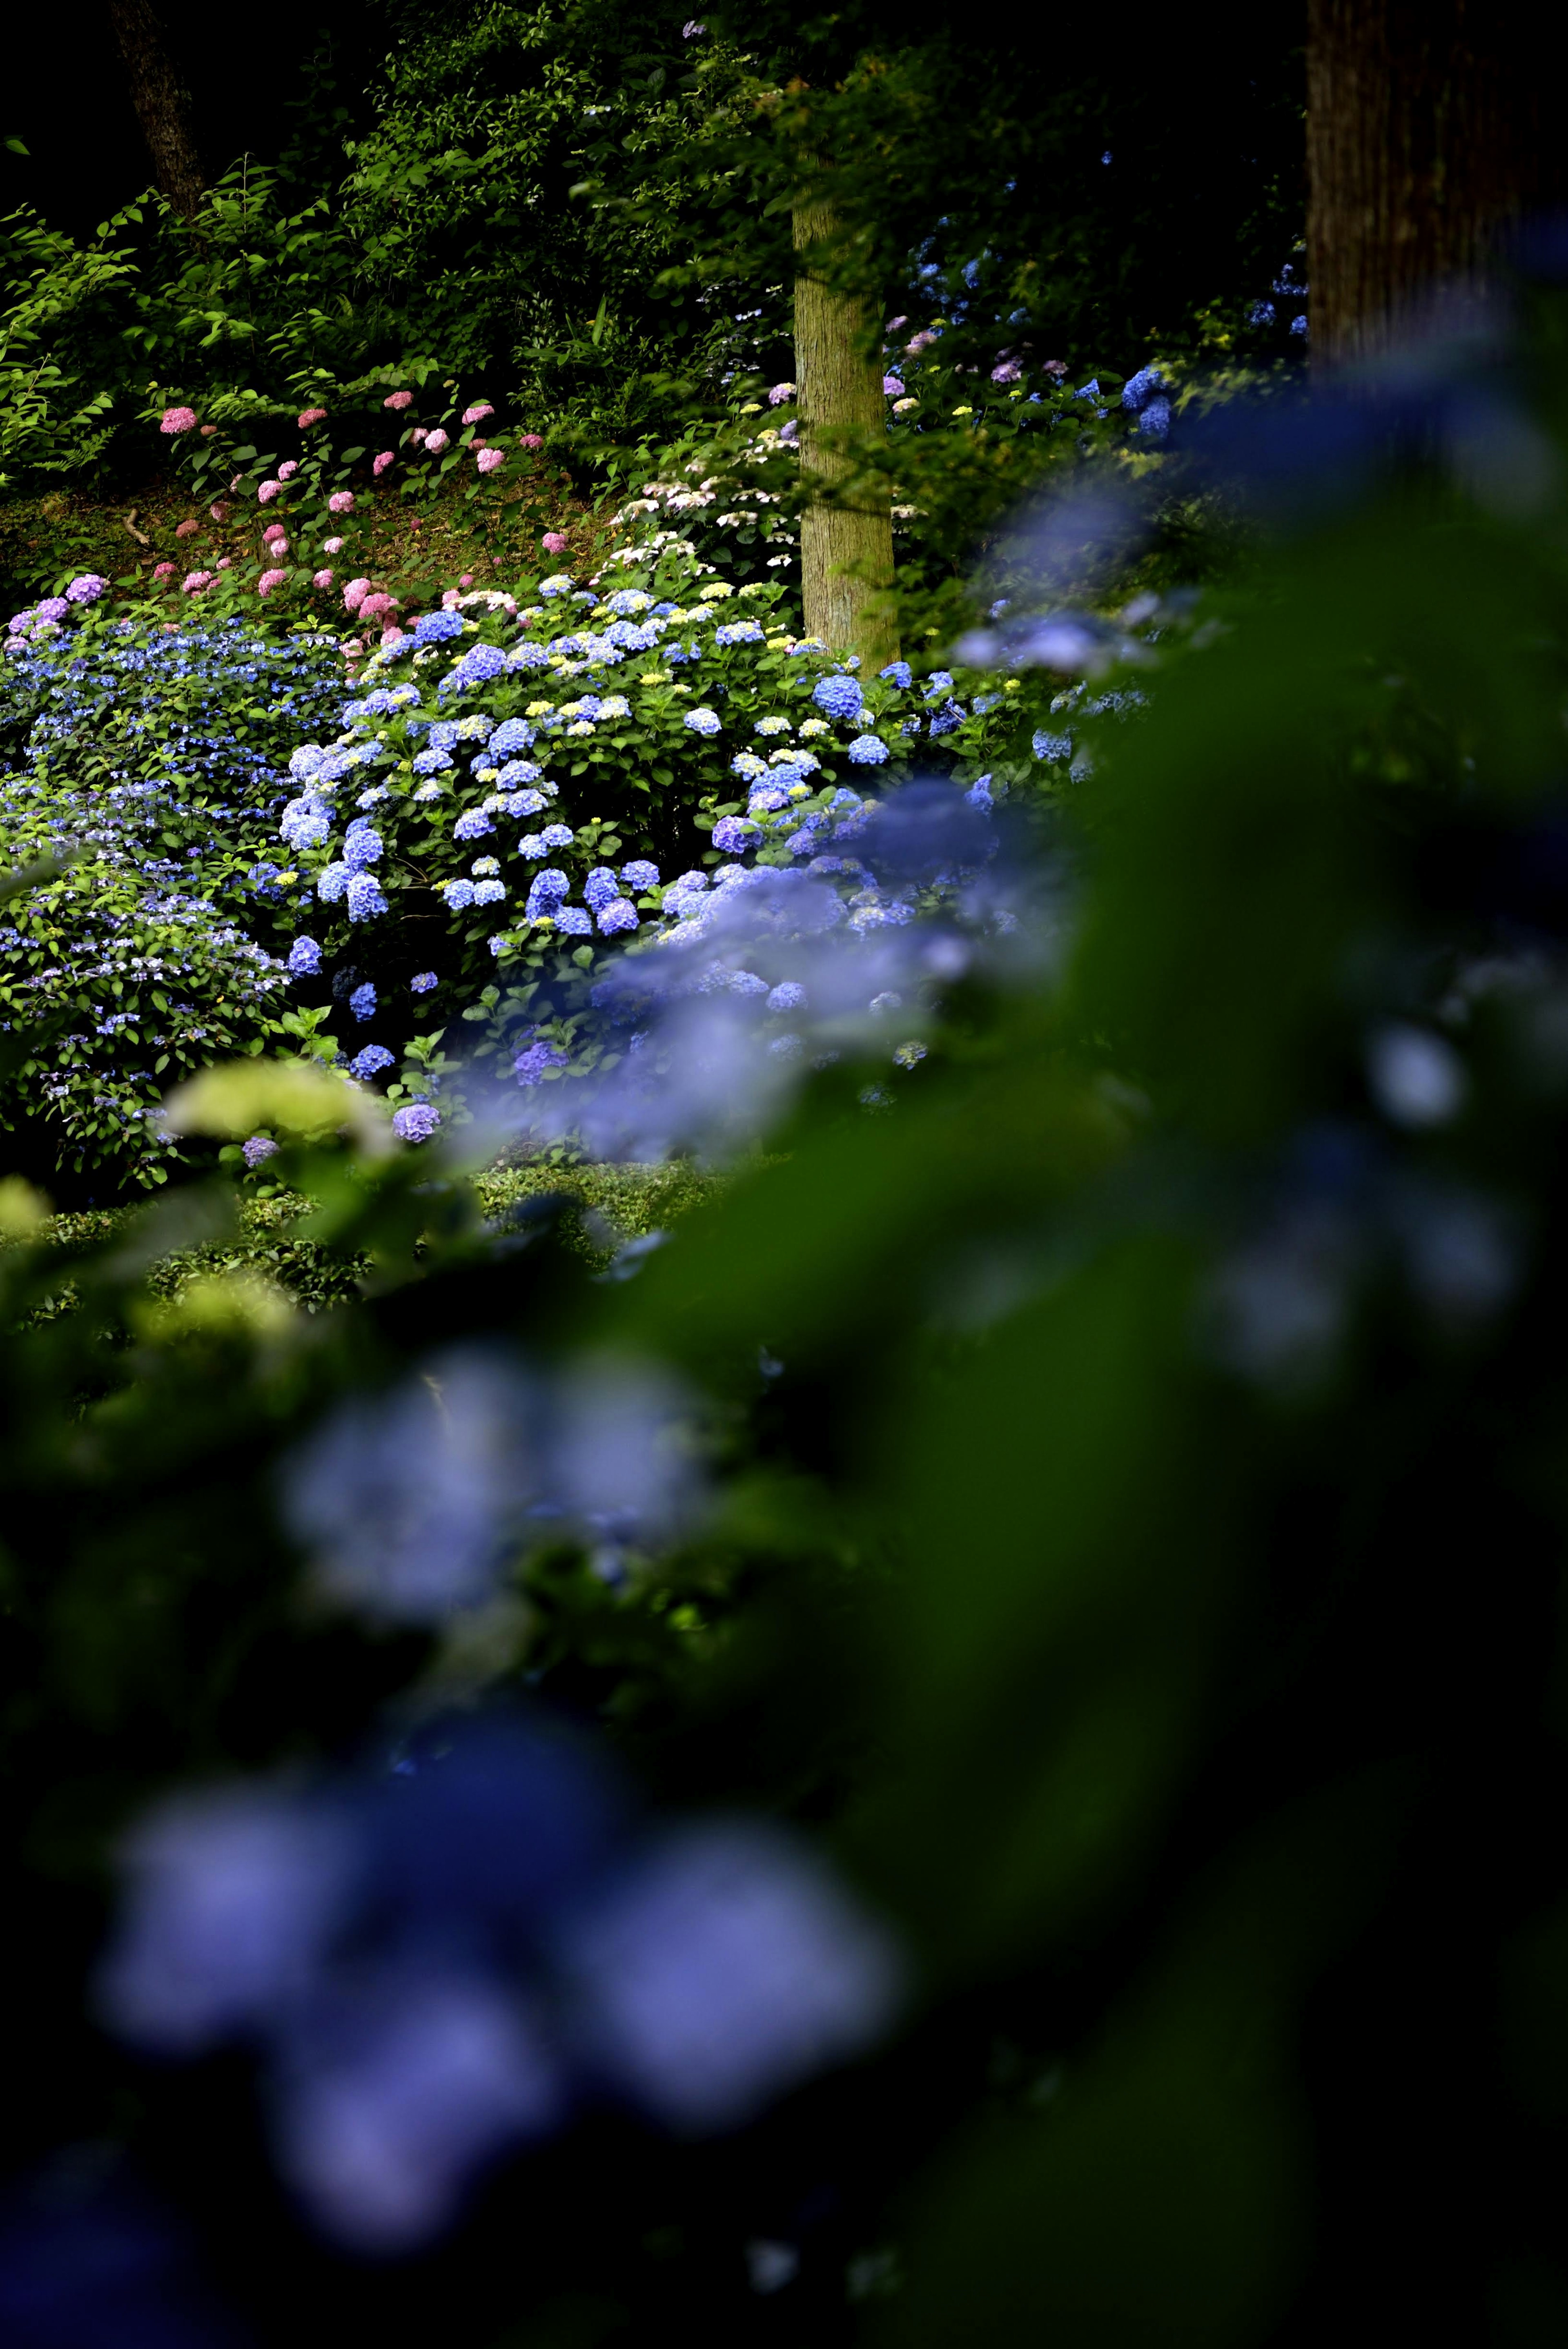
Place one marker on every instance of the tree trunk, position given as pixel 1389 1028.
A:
pixel 1433 128
pixel 163 102
pixel 846 548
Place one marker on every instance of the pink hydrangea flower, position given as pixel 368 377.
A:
pixel 208 430
pixel 353 645
pixel 175 421
pixel 554 541
pixel 287 471
pixel 268 580
pixel 163 571
pixel 186 529
pixel 225 561
pixel 449 599
pixel 387 457
pixel 893 385
pixel 355 592
pixel 1006 371
pixel 320 579
pixel 194 581
pixel 218 512
pixel 491 460
pixel 466 580
pixel 371 607
pixel 310 416
pixel 275 531
pixel 436 441
pixel 418 434
pixel 341 502
pixel 399 400
pixel 267 492
pixel 332 546
pixel 481 408
pixel 532 441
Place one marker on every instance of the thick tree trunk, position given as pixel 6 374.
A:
pixel 846 548
pixel 163 102
pixel 1433 128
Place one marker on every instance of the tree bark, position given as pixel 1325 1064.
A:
pixel 846 544
pixel 163 102
pixel 1433 128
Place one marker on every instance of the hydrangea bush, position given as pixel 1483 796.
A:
pixel 152 761
pixel 512 794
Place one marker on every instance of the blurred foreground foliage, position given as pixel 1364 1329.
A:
pixel 1138 1550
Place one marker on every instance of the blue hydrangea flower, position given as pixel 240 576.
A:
pixel 574 920
pixel 601 885
pixel 517 771
pixel 361 845
pixel 443 733
pixel 304 958
pixel 618 916
pixel 416 1122
pixel 526 802
pixel 362 1002
pixel 479 663
pixel 365 897
pixel 557 835
pixel 768 798
pixel 515 735
pixel 458 894
pixel 528 654
pixel 979 792
pixel 331 884
pixel 703 721
pixel 366 1064
pixel 901 674
pixel 1052 746
pixel 626 601
pixel 547 888
pixel 787 996
pixel 640 873
pixel 837 696
pixel 529 1067
pixel 738 632
pixel 489 892
pixel 1140 388
pixel 868 750
pixel 432 762
pixel 422 982
pixel 473 825
pixel 735 833
pixel 435 627
pixel 1261 314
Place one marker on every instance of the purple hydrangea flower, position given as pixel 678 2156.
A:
pixel 258 1149
pixel 422 983
pixel 416 1123
pixel 87 589
pixel 529 1067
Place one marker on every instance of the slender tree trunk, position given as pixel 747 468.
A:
pixel 163 102
pixel 846 548
pixel 1434 127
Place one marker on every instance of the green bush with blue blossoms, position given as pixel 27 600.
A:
pixel 515 794
pixel 148 765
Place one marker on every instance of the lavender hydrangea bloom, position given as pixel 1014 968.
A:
pixel 473 825
pixel 529 1067
pixel 640 873
pixel 366 1064
pixel 304 958
pixel 258 1150
pixel 768 798
pixel 416 1122
pixel 365 897
pixel 87 589
pixel 837 696
pixel 788 996
pixel 618 916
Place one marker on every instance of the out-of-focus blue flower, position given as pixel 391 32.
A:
pixel 1300 326
pixel 362 1002
pixel 1261 314
pixel 788 996
pixel 1140 388
pixel 258 1150
pixel 837 696
pixel 723 1967
pixel 304 958
pixel 1154 422
pixel 1052 746
pixel 530 1066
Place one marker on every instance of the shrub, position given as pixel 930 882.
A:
pixel 151 758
